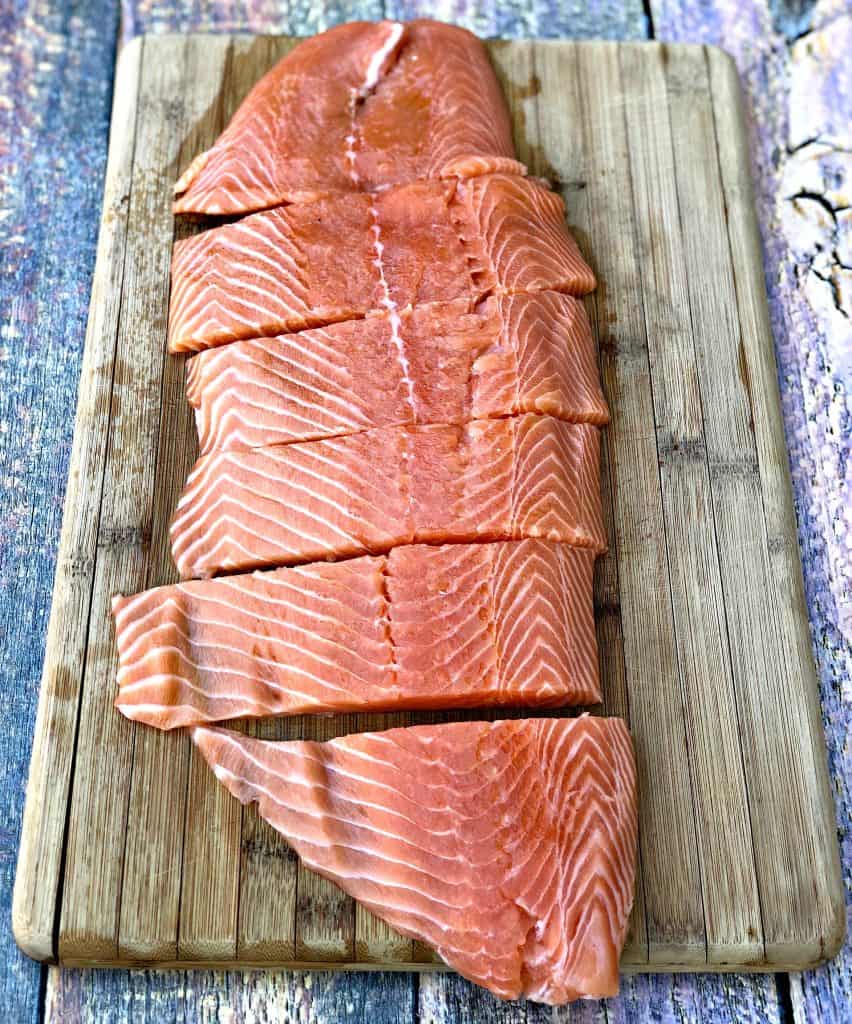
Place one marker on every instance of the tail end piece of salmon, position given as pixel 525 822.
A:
pixel 510 847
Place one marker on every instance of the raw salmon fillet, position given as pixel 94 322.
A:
pixel 338 258
pixel 510 847
pixel 359 107
pixel 432 364
pixel 507 479
pixel 423 627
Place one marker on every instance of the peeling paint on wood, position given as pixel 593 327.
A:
pixel 143 997
pixel 595 19
pixel 665 999
pixel 55 71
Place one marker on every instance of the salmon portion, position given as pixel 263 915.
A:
pixel 342 257
pixel 437 112
pixel 434 364
pixel 509 847
pixel 507 479
pixel 513 619
pixel 285 270
pixel 360 107
pixel 423 627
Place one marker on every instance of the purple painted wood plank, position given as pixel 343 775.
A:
pixel 517 19
pixel 666 999
pixel 55 90
pixel 678 998
pixel 260 17
pixel 202 997
pixel 598 19
pixel 816 200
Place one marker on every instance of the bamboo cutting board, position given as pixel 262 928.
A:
pixel 132 853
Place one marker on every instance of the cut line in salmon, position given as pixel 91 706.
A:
pixel 489 480
pixel 437 364
pixel 357 108
pixel 509 847
pixel 423 627
pixel 339 258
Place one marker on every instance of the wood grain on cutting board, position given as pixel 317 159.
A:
pixel 132 853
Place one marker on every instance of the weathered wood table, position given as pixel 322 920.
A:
pixel 56 68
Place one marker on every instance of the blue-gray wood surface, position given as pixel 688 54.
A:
pixel 56 68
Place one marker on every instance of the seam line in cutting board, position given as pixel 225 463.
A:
pixel 765 525
pixel 146 583
pixel 227 70
pixel 724 613
pixel 135 732
pixel 297 879
pixel 252 731
pixel 677 656
pixel 704 459
pixel 60 887
pixel 810 709
pixel 700 866
pixel 238 881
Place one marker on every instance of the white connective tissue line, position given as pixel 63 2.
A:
pixel 393 315
pixel 351 138
pixel 378 59
pixel 371 80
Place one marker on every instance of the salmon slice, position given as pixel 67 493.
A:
pixel 437 112
pixel 528 476
pixel 359 107
pixel 338 258
pixel 509 847
pixel 437 364
pixel 423 627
